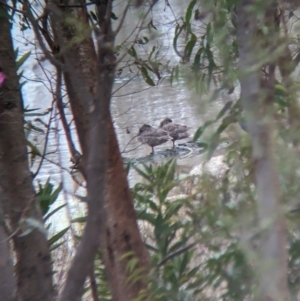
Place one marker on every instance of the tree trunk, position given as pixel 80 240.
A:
pixel 121 232
pixel 272 265
pixel 8 285
pixel 81 60
pixel 33 267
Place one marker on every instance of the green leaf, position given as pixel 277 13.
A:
pixel 178 30
pixel 214 142
pixel 131 51
pixel 46 196
pixel 16 53
pixel 202 144
pixel 33 148
pixel 126 255
pixel 151 53
pixel 226 122
pixel 190 46
pixel 132 264
pixel 146 77
pixel 142 173
pixel 56 192
pixel 197 58
pixel 127 168
pixel 54 211
pixel 93 15
pixel 57 236
pixel 201 129
pixel 113 16
pixel 142 41
pixel 22 59
pixel 151 25
pixel 150 247
pixel 189 11
pixel 81 219
pixel 52 248
pixel 179 245
pixel 30 110
pixel 173 209
pixel 211 62
pixel 174 74
pixel 226 107
pixel 209 34
pixel 186 258
pixel 149 217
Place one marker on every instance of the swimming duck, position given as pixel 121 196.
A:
pixel 176 131
pixel 151 136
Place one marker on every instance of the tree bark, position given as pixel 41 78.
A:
pixel 272 266
pixel 8 285
pixel 121 233
pixel 33 267
pixel 81 61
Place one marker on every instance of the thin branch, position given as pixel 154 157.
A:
pixel 45 145
pixel 127 82
pixel 60 107
pixel 94 284
pixel 10 7
pixel 75 5
pixel 122 19
pixel 137 35
pixel 176 253
pixel 37 33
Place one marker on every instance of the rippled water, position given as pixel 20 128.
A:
pixel 133 103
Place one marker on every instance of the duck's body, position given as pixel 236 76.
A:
pixel 151 136
pixel 176 131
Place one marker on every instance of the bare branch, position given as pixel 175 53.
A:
pixel 94 285
pixel 60 107
pixel 10 7
pixel 37 33
pixel 176 253
pixel 122 19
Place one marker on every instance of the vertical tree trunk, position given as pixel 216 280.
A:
pixel 8 285
pixel 121 233
pixel 33 267
pixel 272 267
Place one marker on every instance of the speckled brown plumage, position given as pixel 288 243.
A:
pixel 176 131
pixel 151 136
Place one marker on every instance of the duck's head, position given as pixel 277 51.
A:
pixel 165 121
pixel 144 128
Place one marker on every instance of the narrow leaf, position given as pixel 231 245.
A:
pixel 189 11
pixel 57 236
pixel 146 77
pixel 22 59
pixel 54 211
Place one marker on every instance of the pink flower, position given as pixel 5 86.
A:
pixel 2 78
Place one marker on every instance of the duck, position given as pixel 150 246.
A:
pixel 176 131
pixel 152 136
